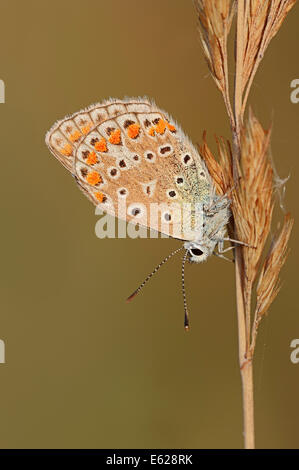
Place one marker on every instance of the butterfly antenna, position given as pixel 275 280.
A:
pixel 186 314
pixel 152 273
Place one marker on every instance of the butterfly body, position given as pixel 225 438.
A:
pixel 213 230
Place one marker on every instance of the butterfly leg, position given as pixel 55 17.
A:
pixel 238 242
pixel 223 257
pixel 220 246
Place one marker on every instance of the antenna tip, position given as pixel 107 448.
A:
pixel 131 297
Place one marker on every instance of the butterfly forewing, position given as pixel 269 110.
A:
pixel 132 152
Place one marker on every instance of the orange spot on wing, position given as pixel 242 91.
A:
pixel 171 127
pixel 161 126
pixel 100 197
pixel 152 131
pixel 133 131
pixel 115 137
pixel 92 158
pixel 94 178
pixel 101 145
pixel 75 136
pixel 86 129
pixel 67 150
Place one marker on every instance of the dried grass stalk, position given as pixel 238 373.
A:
pixel 215 19
pixel 262 21
pixel 214 168
pixel 252 199
pixel 269 284
pixel 245 170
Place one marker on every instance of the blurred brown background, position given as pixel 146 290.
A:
pixel 83 368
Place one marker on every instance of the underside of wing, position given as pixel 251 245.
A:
pixel 65 135
pixel 130 158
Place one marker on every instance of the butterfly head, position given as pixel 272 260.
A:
pixel 199 251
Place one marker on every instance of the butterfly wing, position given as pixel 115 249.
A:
pixel 64 136
pixel 132 160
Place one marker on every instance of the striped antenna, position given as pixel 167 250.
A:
pixel 186 314
pixel 131 297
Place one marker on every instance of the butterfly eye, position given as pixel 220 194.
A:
pixel 196 252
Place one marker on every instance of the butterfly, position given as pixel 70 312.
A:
pixel 131 150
